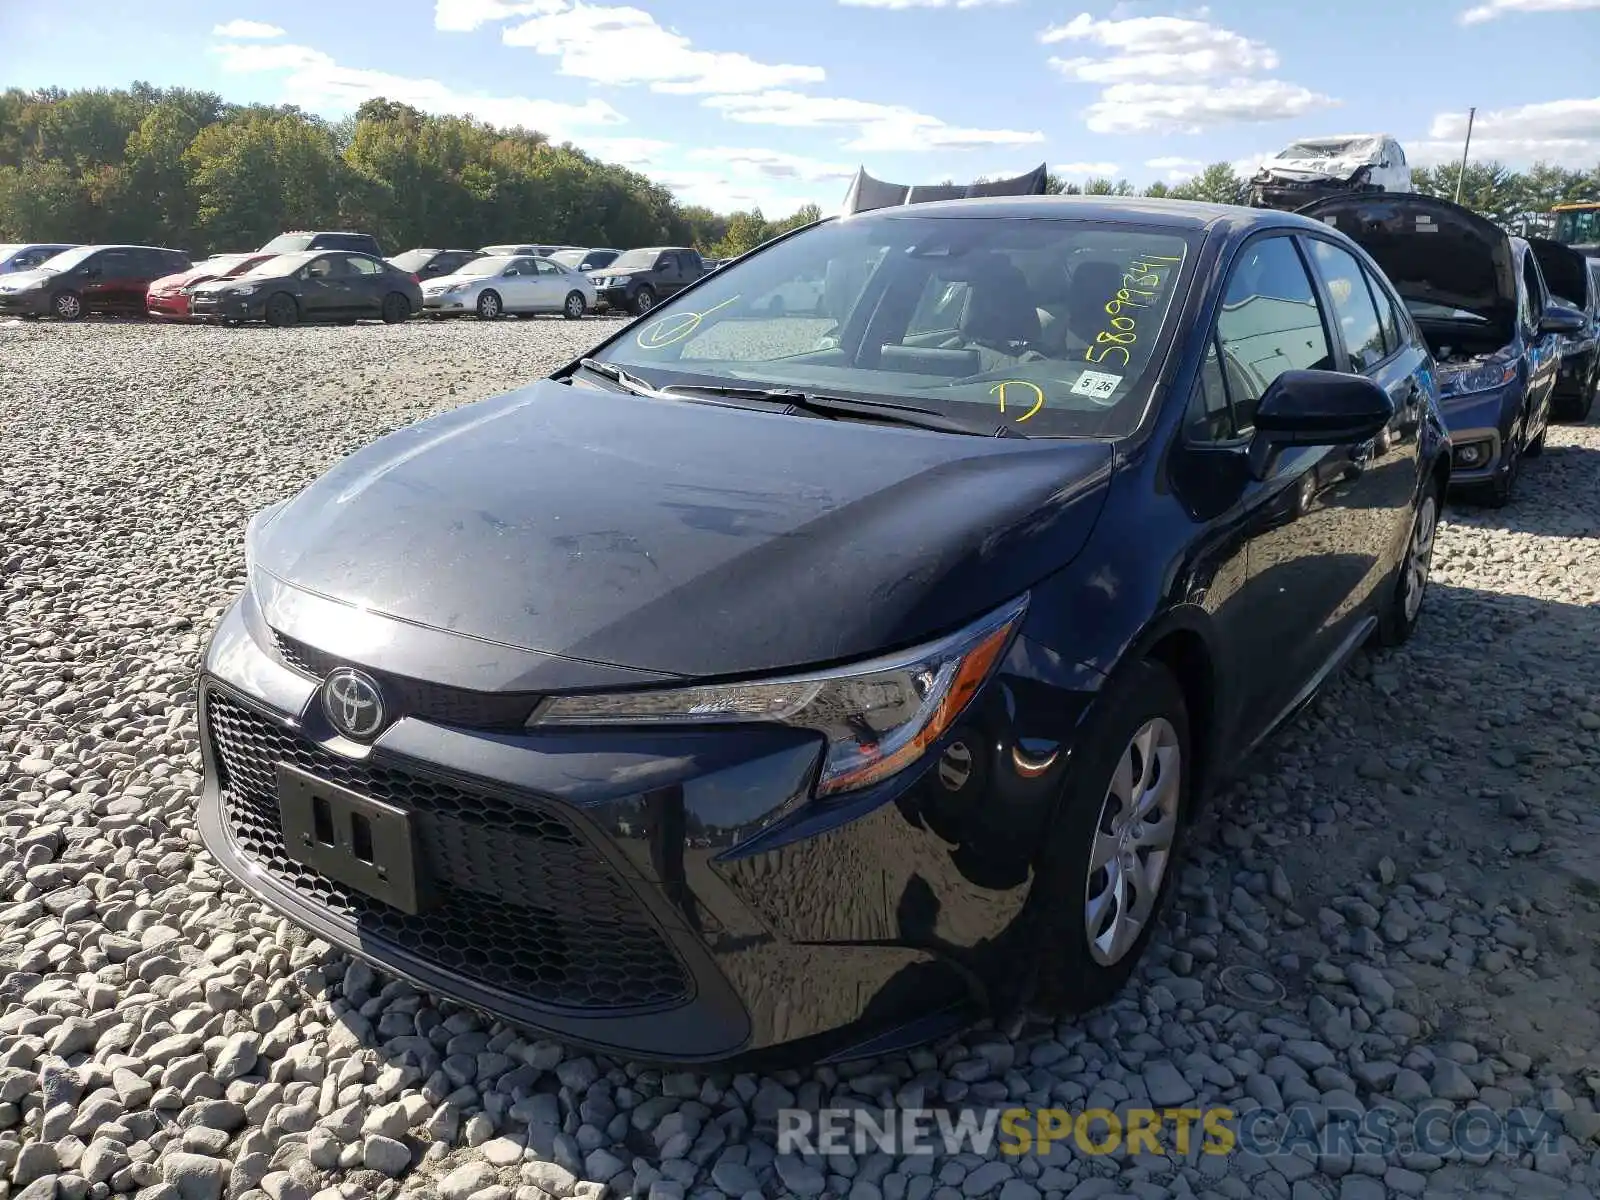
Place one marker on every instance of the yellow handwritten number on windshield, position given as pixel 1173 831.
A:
pixel 673 329
pixel 999 390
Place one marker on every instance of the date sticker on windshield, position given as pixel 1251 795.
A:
pixel 1097 385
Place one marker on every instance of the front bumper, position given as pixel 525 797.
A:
pixel 167 304
pixel 1576 374
pixel 441 303
pixel 203 307
pixel 667 896
pixel 32 303
pixel 612 298
pixel 1483 420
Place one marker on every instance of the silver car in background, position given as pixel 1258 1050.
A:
pixel 498 284
pixel 25 256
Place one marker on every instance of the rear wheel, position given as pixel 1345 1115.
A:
pixel 488 306
pixel 282 311
pixel 1403 609
pixel 1109 861
pixel 67 306
pixel 396 308
pixel 574 307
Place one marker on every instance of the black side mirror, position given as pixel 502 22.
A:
pixel 1562 318
pixel 1316 408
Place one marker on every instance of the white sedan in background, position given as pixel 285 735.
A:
pixel 504 283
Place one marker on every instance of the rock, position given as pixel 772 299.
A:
pixel 195 1176
pixel 385 1154
pixel 1166 1085
pixel 469 1179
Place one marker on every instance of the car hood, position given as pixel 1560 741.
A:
pixel 1566 272
pixel 683 538
pixel 183 279
pixel 223 285
pixel 17 280
pixel 620 271
pixel 1314 168
pixel 1430 249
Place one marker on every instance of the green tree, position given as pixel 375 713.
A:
pixel 746 231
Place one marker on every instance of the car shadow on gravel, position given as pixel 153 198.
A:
pixel 1434 814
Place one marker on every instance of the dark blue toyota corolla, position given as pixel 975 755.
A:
pixel 842 649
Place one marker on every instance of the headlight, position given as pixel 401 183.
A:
pixel 1476 379
pixel 878 717
pixel 602 281
pixel 455 288
pixel 254 526
pixel 247 289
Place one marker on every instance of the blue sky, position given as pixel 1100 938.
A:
pixel 733 104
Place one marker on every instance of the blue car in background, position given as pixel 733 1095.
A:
pixel 1573 280
pixel 1480 300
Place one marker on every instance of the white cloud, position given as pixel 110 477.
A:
pixel 315 81
pixel 879 128
pixel 246 29
pixel 620 46
pixel 774 164
pixel 1194 107
pixel 1499 8
pixel 1081 170
pixel 904 4
pixel 463 16
pixel 1559 131
pixel 1152 48
pixel 1175 168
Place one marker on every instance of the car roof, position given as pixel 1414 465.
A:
pixel 1176 214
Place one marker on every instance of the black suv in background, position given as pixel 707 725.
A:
pixel 637 280
pixel 301 239
pixel 431 264
pixel 89 279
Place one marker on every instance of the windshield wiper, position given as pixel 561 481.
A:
pixel 617 375
pixel 835 407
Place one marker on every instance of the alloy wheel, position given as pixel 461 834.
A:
pixel 68 306
pixel 1133 841
pixel 1419 558
pixel 574 306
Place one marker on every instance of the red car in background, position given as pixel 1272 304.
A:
pixel 168 297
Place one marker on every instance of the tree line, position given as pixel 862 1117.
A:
pixel 182 168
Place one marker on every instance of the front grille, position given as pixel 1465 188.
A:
pixel 414 697
pixel 524 905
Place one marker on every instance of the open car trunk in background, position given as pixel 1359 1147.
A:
pixel 1566 271
pixel 1439 256
pixel 867 193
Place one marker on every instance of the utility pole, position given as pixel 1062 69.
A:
pixel 1462 174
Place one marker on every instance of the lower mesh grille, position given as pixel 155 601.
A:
pixel 525 904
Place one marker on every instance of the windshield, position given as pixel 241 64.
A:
pixel 568 258
pixel 279 264
pixel 1052 326
pixel 1578 226
pixel 67 259
pixel 633 260
pixel 413 260
pixel 287 243
pixel 1344 149
pixel 485 266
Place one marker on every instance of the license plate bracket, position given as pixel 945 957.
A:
pixel 353 839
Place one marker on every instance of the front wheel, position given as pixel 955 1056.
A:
pixel 643 301
pixel 396 308
pixel 282 311
pixel 1111 856
pixel 574 307
pixel 488 306
pixel 1403 609
pixel 1502 489
pixel 67 306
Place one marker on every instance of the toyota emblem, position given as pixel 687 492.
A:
pixel 353 703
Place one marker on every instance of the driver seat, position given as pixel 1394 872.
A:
pixel 999 320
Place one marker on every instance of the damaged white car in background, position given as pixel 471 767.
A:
pixel 1312 168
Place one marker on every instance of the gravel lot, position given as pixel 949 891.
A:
pixel 1397 908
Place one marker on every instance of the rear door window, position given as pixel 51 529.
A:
pixel 1352 304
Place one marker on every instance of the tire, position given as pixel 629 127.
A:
pixel 66 306
pixel 1073 975
pixel 1536 447
pixel 282 310
pixel 643 301
pixel 574 307
pixel 1402 609
pixel 489 307
pixel 396 308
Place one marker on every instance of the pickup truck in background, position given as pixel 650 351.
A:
pixel 637 280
